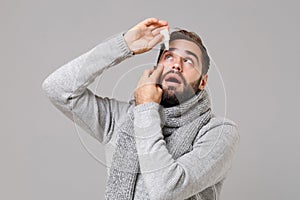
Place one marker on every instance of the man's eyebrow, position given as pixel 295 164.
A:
pixel 188 52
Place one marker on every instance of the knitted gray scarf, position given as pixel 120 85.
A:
pixel 181 125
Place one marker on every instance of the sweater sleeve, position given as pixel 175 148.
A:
pixel 67 89
pixel 204 166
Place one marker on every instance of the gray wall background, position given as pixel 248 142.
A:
pixel 255 44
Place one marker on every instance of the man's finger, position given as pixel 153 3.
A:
pixel 147 72
pixel 153 23
pixel 150 21
pixel 163 22
pixel 157 73
pixel 158 29
pixel 145 76
pixel 153 27
pixel 157 39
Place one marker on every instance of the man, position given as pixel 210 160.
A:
pixel 166 142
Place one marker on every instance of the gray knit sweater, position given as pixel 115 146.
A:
pixel 202 169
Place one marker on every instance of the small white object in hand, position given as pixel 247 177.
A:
pixel 165 33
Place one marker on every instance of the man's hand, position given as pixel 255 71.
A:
pixel 145 35
pixel 147 89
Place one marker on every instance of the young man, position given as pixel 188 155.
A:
pixel 168 144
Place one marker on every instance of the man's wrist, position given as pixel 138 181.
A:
pixel 147 106
pixel 146 115
pixel 126 42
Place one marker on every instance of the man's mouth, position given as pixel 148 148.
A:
pixel 173 78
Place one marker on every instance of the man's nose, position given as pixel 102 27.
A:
pixel 177 65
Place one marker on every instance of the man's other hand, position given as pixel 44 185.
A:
pixel 148 89
pixel 145 35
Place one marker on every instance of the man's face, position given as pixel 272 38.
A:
pixel 181 77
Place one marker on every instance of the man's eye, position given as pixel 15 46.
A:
pixel 168 57
pixel 187 60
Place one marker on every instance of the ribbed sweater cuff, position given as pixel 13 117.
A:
pixel 126 52
pixel 147 120
pixel 146 107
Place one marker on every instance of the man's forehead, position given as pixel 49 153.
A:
pixel 190 48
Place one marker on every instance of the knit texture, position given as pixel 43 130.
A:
pixel 183 121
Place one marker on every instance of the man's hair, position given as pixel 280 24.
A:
pixel 193 37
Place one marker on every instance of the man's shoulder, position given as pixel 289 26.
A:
pixel 219 126
pixel 217 121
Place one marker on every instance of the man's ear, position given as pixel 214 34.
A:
pixel 203 82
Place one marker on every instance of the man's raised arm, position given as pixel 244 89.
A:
pixel 67 86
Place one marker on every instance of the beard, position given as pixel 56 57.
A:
pixel 171 97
